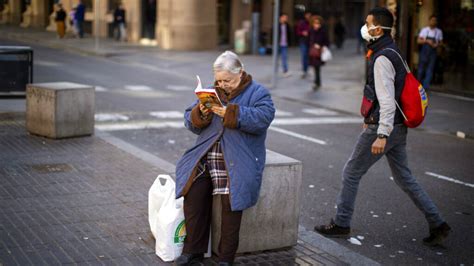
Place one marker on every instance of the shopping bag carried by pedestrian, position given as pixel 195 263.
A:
pixel 413 99
pixel 166 218
pixel 326 54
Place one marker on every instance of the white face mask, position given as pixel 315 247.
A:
pixel 364 31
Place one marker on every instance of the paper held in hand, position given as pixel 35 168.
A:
pixel 207 96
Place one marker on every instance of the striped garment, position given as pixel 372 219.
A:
pixel 213 165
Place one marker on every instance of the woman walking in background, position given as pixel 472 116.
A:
pixel 318 40
pixel 60 21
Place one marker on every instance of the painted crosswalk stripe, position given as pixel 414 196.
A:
pixel 139 125
pixel 100 89
pixel 110 117
pixel 138 88
pixel 179 88
pixel 297 135
pixel 280 113
pixel 442 177
pixel 316 121
pixel 167 114
pixel 319 111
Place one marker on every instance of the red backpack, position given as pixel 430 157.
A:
pixel 413 99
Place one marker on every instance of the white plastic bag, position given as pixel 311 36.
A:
pixel 326 54
pixel 166 218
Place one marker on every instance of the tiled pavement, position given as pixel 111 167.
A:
pixel 84 201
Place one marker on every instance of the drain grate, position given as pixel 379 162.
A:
pixel 52 168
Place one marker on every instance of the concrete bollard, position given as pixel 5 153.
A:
pixel 273 222
pixel 60 109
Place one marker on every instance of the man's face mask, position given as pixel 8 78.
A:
pixel 364 31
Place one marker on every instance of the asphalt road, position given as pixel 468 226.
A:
pixel 135 99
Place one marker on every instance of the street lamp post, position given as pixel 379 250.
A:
pixel 276 9
pixel 97 23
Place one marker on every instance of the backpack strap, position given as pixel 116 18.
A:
pixel 401 59
pixel 408 71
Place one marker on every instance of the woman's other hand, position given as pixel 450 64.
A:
pixel 204 110
pixel 218 110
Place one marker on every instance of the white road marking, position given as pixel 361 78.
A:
pixel 179 88
pixel 111 117
pixel 47 63
pixel 319 111
pixel 100 88
pixel 140 125
pixel 316 121
pixel 297 135
pixel 457 97
pixel 138 88
pixel 449 179
pixel 167 114
pixel 283 113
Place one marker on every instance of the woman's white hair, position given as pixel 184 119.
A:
pixel 228 61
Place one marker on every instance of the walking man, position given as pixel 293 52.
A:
pixel 283 42
pixel 429 38
pixel 384 133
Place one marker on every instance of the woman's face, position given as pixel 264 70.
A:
pixel 316 24
pixel 227 80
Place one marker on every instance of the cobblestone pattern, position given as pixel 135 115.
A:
pixel 83 201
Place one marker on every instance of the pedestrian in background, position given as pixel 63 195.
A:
pixel 339 33
pixel 60 19
pixel 302 33
pixel 227 160
pixel 430 38
pixel 72 21
pixel 318 40
pixel 384 133
pixel 119 23
pixel 79 18
pixel 284 41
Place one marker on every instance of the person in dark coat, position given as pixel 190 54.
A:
pixel 79 18
pixel 339 33
pixel 119 23
pixel 302 32
pixel 227 160
pixel 318 40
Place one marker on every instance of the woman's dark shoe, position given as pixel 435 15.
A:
pixel 437 235
pixel 189 259
pixel 333 230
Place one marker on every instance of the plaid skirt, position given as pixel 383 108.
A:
pixel 213 165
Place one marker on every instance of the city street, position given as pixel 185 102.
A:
pixel 141 96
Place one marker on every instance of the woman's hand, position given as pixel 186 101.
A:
pixel 317 46
pixel 220 111
pixel 204 110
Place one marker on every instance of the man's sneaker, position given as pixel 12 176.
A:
pixel 437 235
pixel 333 230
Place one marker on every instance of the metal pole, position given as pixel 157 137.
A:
pixel 276 11
pixel 96 18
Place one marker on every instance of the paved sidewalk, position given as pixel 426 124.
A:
pixel 84 201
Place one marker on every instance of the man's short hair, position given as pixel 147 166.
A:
pixel 433 16
pixel 382 17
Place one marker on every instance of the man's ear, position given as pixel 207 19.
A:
pixel 379 31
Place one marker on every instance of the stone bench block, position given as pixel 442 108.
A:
pixel 273 222
pixel 60 109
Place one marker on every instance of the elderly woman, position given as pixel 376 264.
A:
pixel 227 160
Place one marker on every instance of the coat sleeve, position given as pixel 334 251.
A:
pixel 193 121
pixel 256 119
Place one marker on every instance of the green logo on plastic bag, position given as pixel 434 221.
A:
pixel 180 233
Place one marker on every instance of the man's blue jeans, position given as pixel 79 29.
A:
pixel 426 65
pixel 360 162
pixel 284 58
pixel 304 56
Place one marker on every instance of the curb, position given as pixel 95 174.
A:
pixel 329 246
